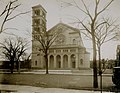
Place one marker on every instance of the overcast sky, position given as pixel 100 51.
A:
pixel 55 13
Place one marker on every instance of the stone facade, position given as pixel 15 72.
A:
pixel 66 52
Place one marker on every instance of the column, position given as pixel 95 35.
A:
pixel 69 62
pixel 61 61
pixel 55 61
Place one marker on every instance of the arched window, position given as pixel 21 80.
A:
pixel 37 12
pixel 65 61
pixel 81 61
pixel 35 63
pixel 51 61
pixel 36 22
pixel 58 60
pixel 74 41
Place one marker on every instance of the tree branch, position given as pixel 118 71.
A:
pixel 105 7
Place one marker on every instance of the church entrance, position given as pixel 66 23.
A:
pixel 51 65
pixel 73 61
pixel 58 61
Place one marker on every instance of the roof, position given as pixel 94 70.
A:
pixel 75 30
pixel 62 24
pixel 118 46
pixel 39 6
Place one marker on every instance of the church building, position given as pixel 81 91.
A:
pixel 66 52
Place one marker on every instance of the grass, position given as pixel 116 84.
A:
pixel 69 81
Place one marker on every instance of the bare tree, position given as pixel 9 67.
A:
pixel 7 14
pixel 46 39
pixel 106 32
pixel 13 50
pixel 90 26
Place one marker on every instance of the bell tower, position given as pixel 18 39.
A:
pixel 38 26
pixel 38 20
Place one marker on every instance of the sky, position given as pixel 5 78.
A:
pixel 56 12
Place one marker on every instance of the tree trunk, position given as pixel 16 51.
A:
pixel 46 62
pixel 101 82
pixel 100 69
pixel 19 67
pixel 12 66
pixel 95 78
pixel 99 55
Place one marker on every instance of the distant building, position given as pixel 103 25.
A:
pixel 118 55
pixel 67 52
pixel 23 64
pixel 105 63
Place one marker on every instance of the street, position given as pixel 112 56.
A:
pixel 30 89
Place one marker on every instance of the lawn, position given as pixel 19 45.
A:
pixel 54 80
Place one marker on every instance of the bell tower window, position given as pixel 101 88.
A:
pixel 36 12
pixel 36 22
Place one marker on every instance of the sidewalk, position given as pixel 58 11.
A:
pixel 76 72
pixel 71 72
pixel 30 89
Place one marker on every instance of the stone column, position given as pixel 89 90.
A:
pixel 76 59
pixel 69 62
pixel 61 61
pixel 55 61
